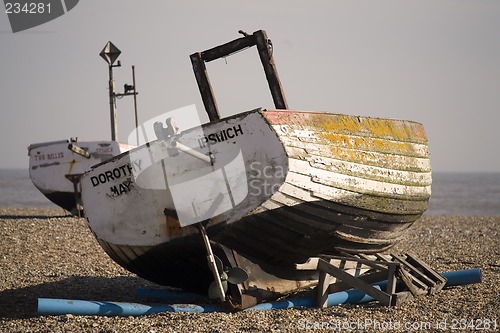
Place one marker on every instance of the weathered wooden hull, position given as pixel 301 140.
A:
pixel 354 184
pixel 52 167
pixel 314 183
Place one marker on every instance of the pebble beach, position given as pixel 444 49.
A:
pixel 44 253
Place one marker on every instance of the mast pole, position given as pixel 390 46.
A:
pixel 112 105
pixel 135 105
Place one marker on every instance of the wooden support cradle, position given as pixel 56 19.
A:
pixel 338 273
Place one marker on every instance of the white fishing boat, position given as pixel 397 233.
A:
pixel 267 190
pixel 283 186
pixel 55 167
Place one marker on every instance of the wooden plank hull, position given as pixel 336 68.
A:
pixel 294 185
pixel 354 184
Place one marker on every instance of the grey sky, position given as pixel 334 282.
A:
pixel 435 62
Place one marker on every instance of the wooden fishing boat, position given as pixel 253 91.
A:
pixel 55 167
pixel 297 184
pixel 270 187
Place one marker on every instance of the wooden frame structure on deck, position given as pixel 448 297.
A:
pixel 264 47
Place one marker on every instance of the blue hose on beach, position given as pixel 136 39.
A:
pixel 50 306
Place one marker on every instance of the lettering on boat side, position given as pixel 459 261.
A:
pixel 126 170
pixel 104 150
pixel 51 156
pixel 121 188
pixel 223 135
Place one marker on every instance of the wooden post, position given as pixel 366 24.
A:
pixel 391 279
pixel 323 289
pixel 267 60
pixel 207 95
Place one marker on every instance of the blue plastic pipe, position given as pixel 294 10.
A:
pixel 456 278
pixel 463 277
pixel 51 306
pixel 342 297
pixel 169 295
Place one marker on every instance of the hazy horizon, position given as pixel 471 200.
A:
pixel 437 63
pixel 26 168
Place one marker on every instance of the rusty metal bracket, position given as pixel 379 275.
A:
pixel 75 179
pixel 264 47
pixel 238 298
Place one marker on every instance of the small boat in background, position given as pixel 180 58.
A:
pixel 267 189
pixel 55 167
